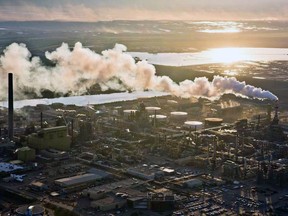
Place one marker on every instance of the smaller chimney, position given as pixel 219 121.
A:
pixel 72 132
pixel 236 147
pixel 41 119
pixel 276 118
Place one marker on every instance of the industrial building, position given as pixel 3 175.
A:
pixel 100 191
pixel 38 186
pixel 231 170
pixel 25 154
pixel 103 174
pixel 147 172
pixel 138 202
pixel 108 203
pixel 54 137
pixel 9 168
pixel 193 183
pixel 54 154
pixel 124 154
pixel 160 202
pixel 78 180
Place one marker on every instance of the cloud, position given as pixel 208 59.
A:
pixel 96 10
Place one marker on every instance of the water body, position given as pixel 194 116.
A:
pixel 214 56
pixel 145 36
pixel 87 99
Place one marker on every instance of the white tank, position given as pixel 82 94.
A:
pixel 172 102
pixel 178 115
pixel 161 118
pixel 152 109
pixel 193 125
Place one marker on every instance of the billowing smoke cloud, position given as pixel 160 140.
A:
pixel 78 69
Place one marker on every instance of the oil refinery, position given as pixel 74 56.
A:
pixel 152 156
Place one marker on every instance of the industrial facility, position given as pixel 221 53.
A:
pixel 152 156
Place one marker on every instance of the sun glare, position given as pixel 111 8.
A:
pixel 227 55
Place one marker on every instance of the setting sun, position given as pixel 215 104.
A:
pixel 228 55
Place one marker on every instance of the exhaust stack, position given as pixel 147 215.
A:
pixel 10 107
pixel 41 119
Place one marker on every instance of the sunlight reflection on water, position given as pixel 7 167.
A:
pixel 218 55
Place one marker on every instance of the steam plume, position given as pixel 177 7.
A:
pixel 78 69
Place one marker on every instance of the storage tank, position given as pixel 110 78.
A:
pixel 159 118
pixel 36 210
pixel 152 109
pixel 172 103
pixel 178 116
pixel 194 125
pixel 213 122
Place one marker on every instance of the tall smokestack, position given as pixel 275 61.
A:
pixel 10 107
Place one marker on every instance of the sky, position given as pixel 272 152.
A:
pixel 105 10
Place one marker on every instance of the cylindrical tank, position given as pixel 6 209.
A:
pixel 35 210
pixel 160 118
pixel 152 109
pixel 194 125
pixel 213 122
pixel 178 116
pixel 172 103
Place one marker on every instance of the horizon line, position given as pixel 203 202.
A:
pixel 156 20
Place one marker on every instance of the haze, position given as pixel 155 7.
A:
pixel 96 10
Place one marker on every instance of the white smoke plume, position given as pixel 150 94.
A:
pixel 78 69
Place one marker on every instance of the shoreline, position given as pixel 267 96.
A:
pixel 86 100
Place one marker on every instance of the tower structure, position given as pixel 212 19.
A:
pixel 10 107
pixel 275 120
